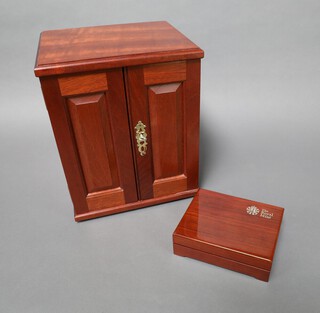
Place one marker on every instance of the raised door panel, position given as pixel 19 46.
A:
pixel 168 142
pixel 92 130
pixel 93 107
pixel 165 98
pixel 93 136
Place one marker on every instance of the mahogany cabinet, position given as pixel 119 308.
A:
pixel 123 101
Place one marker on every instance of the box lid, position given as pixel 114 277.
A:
pixel 93 48
pixel 233 228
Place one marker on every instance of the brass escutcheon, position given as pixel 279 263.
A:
pixel 141 137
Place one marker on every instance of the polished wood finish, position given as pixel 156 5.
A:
pixel 68 151
pixel 192 120
pixel 137 98
pixel 80 84
pixel 222 262
pixel 134 205
pixel 217 229
pixel 101 47
pixel 95 100
pixel 99 172
pixel 93 139
pixel 168 72
pixel 169 106
pixel 166 186
pixel 166 116
pixel 105 199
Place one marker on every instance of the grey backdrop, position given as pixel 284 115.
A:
pixel 260 136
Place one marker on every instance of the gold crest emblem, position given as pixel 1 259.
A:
pixel 252 210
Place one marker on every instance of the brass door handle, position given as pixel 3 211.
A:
pixel 141 137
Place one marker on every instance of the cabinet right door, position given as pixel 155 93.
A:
pixel 164 104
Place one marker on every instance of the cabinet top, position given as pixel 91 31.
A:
pixel 94 48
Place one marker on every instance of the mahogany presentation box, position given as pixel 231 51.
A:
pixel 124 102
pixel 230 232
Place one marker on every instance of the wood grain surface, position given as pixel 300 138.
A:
pixel 170 110
pixel 98 83
pixel 219 225
pixel 93 48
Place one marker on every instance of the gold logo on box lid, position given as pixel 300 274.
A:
pixel 253 210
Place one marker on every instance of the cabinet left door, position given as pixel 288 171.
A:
pixel 89 118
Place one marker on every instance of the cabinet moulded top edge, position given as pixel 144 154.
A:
pixel 101 47
pixel 105 64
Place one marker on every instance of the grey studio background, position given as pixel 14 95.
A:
pixel 260 136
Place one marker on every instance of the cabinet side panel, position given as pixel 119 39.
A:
pixel 65 143
pixel 88 124
pixel 192 114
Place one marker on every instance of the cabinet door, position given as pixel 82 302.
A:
pixel 164 114
pixel 90 120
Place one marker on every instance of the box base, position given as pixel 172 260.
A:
pixel 256 272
